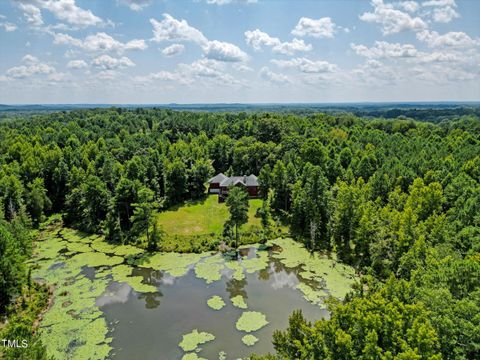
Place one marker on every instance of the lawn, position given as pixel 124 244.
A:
pixel 202 217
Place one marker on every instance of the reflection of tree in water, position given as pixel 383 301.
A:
pixel 152 300
pixel 237 287
pixel 150 277
pixel 264 274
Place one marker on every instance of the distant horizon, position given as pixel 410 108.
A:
pixel 250 103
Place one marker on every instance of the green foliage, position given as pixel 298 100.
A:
pixel 237 203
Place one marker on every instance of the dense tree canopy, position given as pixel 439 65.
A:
pixel 398 199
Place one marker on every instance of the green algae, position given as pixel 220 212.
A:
pixel 75 247
pixel 251 321
pixel 95 259
pixel 127 250
pixel 239 302
pixel 338 278
pixel 257 263
pixel 237 269
pixel 249 340
pixel 191 340
pixel 314 296
pixel 173 263
pixel 210 268
pixel 216 302
pixel 192 356
pixel 123 273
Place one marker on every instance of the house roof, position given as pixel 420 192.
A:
pixel 250 180
pixel 217 178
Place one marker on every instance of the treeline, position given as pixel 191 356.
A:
pixel 398 199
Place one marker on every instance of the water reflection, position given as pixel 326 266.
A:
pixel 114 293
pixel 237 287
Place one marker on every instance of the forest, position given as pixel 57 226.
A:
pixel 397 199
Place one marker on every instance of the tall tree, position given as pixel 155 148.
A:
pixel 237 203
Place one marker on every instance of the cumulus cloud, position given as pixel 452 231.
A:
pixel 451 39
pixel 383 49
pixel 186 74
pixel 392 20
pixel 176 30
pixel 171 29
pixel 32 66
pixel 77 64
pixel 107 62
pixel 306 65
pixel 410 6
pixel 136 5
pixel 222 51
pixel 317 28
pixel 173 49
pixel 64 10
pixel 272 77
pixel 100 42
pixel 257 39
pixel 442 11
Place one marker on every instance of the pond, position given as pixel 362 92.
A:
pixel 174 306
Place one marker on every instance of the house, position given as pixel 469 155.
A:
pixel 220 184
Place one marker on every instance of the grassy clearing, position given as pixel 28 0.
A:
pixel 197 225
pixel 202 217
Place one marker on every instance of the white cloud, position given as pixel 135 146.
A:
pixel 64 10
pixel 222 51
pixel 176 30
pixel 107 62
pixel 171 29
pixel 289 48
pixel 392 20
pixel 410 6
pixel 375 73
pixel 100 42
pixel 451 39
pixel 257 39
pixel 318 28
pixel 272 77
pixel 306 65
pixel 136 5
pixel 173 49
pixel 383 49
pixel 76 64
pixel 442 11
pixel 32 67
pixel 9 27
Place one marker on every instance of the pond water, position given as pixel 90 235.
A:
pixel 118 302
pixel 153 324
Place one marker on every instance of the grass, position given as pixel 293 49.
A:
pixel 197 225
pixel 202 217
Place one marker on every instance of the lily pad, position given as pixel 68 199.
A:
pixel 237 268
pixel 249 340
pixel 122 273
pixel 192 356
pixel 251 321
pixel 191 340
pixel 216 302
pixel 210 268
pixel 239 302
pixel 175 264
pixel 337 277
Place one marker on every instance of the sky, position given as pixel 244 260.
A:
pixel 238 51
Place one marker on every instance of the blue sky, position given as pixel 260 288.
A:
pixel 210 51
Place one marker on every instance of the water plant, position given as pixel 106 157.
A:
pixel 216 302
pixel 251 321
pixel 191 340
pixel 249 340
pixel 239 302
